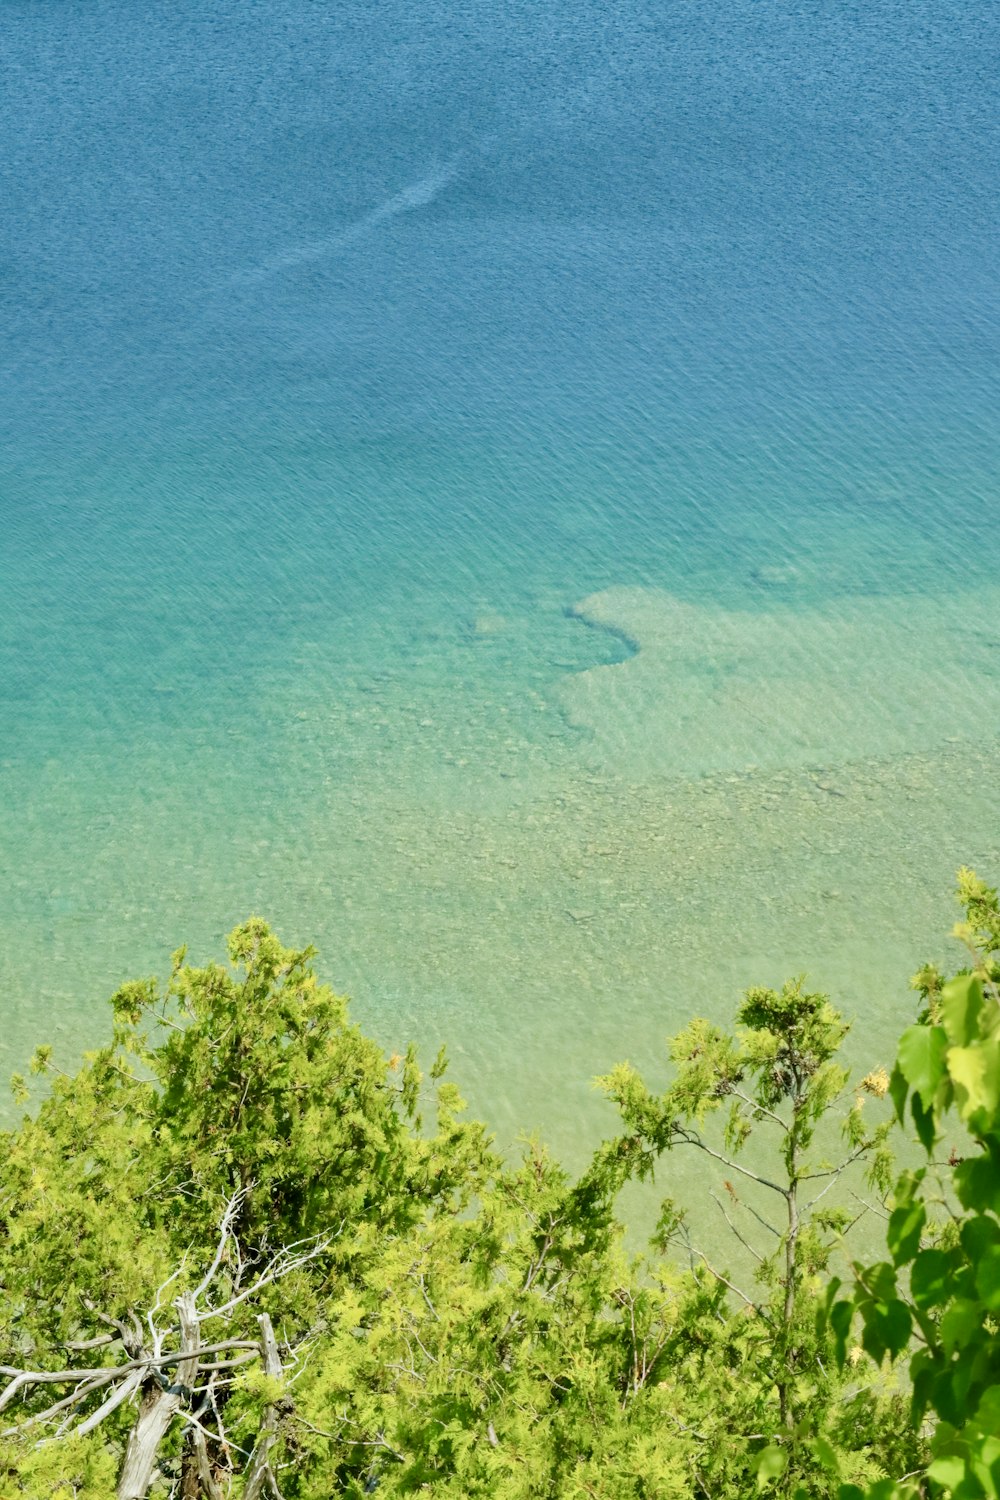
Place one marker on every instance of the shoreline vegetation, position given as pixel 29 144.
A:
pixel 246 1254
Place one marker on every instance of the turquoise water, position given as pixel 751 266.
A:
pixel 509 494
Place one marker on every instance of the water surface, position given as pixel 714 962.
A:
pixel 510 495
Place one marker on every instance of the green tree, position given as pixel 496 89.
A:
pixel 243 1094
pixel 777 1410
pixel 939 1292
pixel 242 1253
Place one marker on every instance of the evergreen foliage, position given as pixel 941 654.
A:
pixel 244 1254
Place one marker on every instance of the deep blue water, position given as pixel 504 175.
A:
pixel 336 337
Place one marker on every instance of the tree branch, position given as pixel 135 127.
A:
pixel 282 1264
pixel 111 1372
pixel 760 1109
pixel 691 1138
pixel 225 1230
pixel 745 1243
pixel 111 1403
pixel 259 1472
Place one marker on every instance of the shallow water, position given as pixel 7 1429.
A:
pixel 356 365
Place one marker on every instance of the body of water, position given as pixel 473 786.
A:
pixel 509 493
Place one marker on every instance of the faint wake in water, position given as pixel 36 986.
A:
pixel 416 195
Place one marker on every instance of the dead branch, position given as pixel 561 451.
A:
pixel 259 1472
pixel 173 1382
pixel 159 1406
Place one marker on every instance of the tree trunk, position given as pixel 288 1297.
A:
pixel 259 1475
pixel 786 1352
pixel 197 1479
pixel 160 1403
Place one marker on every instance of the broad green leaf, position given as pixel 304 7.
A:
pixel 949 1471
pixel 961 1003
pixel 770 1464
pixel 989 1451
pixel 988 1411
pixel 826 1454
pixel 841 1315
pixel 975 1072
pixel 880 1281
pixel 960 1321
pixel 931 1278
pixel 905 1228
pixel 921 1059
pixel 887 1328
pixel 977 1182
pixel 978 1235
pixel 988 1279
pixel 924 1122
pixel 898 1323
pixel 898 1090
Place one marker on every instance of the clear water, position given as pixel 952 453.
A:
pixel 511 494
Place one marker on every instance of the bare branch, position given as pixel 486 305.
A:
pixel 98 1376
pixel 339 1437
pixel 164 1399
pixel 724 1281
pixel 226 1442
pixel 744 1242
pixel 764 1223
pixel 760 1109
pixel 80 1394
pixel 154 1333
pixel 159 1406
pixel 80 1346
pixel 228 1364
pixel 225 1231
pixel 691 1138
pixel 117 1398
pixel 836 1171
pixel 282 1265
pixel 129 1336
pixel 421 1282
pixel 880 1210
pixel 755 1307
pixel 834 1179
pixel 199 1447
pixel 259 1472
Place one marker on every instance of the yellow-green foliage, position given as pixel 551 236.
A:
pixel 471 1326
pixel 73 1469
